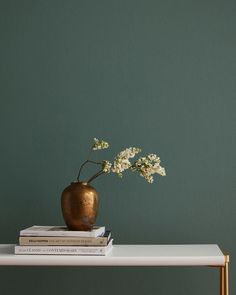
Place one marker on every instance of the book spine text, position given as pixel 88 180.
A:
pixel 47 250
pixel 44 241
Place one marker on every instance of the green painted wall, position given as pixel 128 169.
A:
pixel 156 74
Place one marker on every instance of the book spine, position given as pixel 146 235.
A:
pixel 57 250
pixel 44 241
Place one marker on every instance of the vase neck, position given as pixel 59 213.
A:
pixel 79 182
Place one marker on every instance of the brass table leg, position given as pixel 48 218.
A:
pixel 222 280
pixel 224 277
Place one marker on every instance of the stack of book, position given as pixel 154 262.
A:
pixel 58 240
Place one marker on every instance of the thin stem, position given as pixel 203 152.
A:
pixel 80 169
pixel 95 176
pixel 87 161
pixel 94 162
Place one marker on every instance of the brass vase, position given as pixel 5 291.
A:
pixel 79 203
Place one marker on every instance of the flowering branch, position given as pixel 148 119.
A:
pixel 146 166
pixel 98 145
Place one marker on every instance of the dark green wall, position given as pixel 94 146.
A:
pixel 160 75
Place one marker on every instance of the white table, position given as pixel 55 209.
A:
pixel 132 255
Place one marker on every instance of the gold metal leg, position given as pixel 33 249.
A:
pixel 226 274
pixel 222 280
pixel 224 277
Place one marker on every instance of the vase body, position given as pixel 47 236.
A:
pixel 79 203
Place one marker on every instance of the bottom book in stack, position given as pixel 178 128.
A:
pixel 38 240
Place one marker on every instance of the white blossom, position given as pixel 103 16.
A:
pixel 147 166
pixel 106 166
pixel 121 162
pixel 99 144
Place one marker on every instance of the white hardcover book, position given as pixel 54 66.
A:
pixel 63 250
pixel 60 231
pixel 65 241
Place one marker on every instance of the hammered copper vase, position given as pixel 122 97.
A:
pixel 79 203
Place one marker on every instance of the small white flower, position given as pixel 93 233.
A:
pixel 162 171
pixel 99 144
pixel 106 166
pixel 152 157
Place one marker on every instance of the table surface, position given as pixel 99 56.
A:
pixel 124 255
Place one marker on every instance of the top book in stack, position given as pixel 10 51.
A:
pixel 61 231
